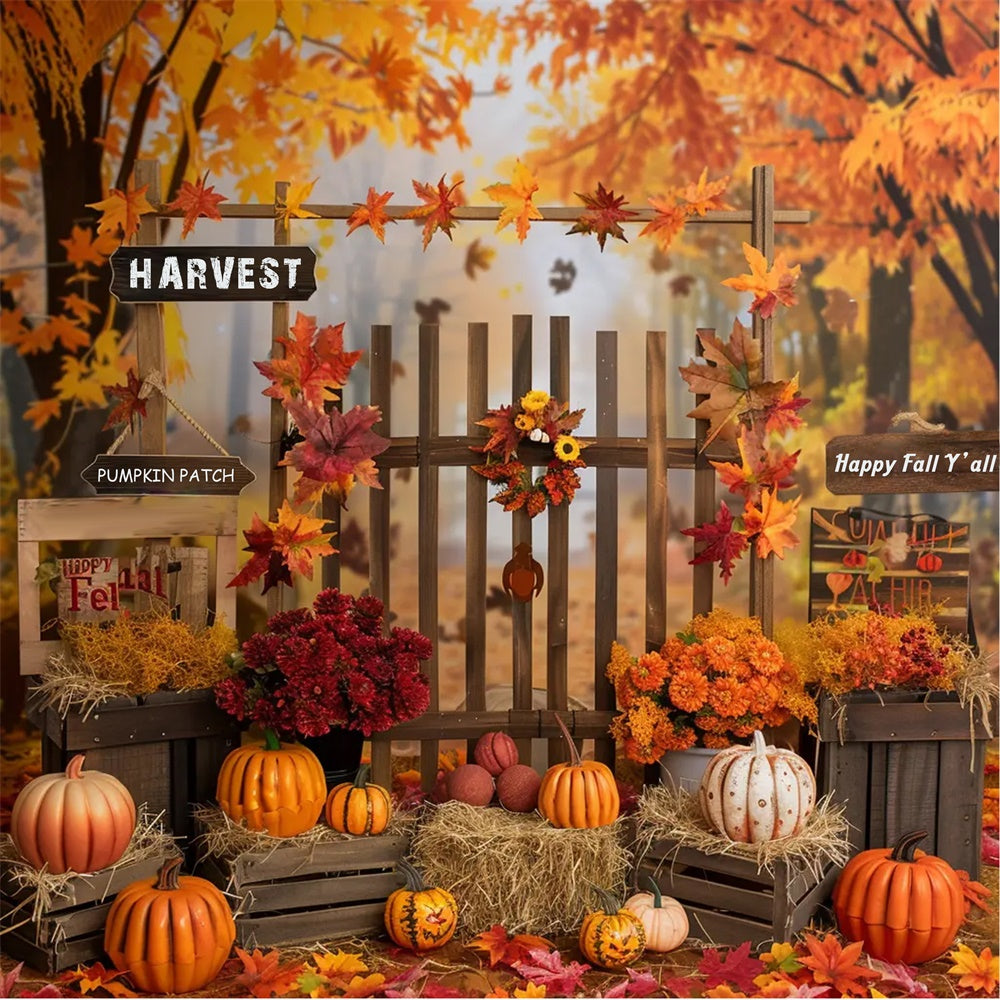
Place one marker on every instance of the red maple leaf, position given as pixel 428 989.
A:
pixel 782 414
pixel 603 215
pixel 638 984
pixel 546 968
pixel 761 465
pixel 735 967
pixel 833 964
pixel 372 213
pixel 89 978
pixel 196 202
pixel 723 544
pixel 503 434
pixel 440 202
pixel 505 949
pixel 132 405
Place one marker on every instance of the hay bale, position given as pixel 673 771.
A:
pixel 518 870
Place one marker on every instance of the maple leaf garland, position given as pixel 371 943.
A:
pixel 372 214
pixel 518 208
pixel 440 202
pixel 603 216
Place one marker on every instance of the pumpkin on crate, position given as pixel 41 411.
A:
pixel 79 821
pixel 757 793
pixel 418 917
pixel 904 904
pixel 495 751
pixel 612 937
pixel 580 794
pixel 663 918
pixel 278 787
pixel 359 807
pixel 171 933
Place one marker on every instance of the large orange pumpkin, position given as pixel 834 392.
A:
pixel 78 821
pixel 419 917
pixel 358 807
pixel 170 933
pixel 579 793
pixel 277 787
pixel 905 905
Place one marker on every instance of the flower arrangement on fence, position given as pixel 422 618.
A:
pixel 540 418
pixel 715 682
pixel 876 649
pixel 333 666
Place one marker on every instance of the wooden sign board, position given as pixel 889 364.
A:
pixel 902 562
pixel 945 462
pixel 210 274
pixel 177 475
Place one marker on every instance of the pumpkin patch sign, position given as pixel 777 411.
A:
pixel 857 557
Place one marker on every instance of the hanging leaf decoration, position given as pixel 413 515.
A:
pixel 603 216
pixel 372 214
pixel 518 208
pixel 196 201
pixel 120 211
pixel 440 202
pixel 771 286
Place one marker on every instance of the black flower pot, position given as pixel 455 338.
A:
pixel 339 751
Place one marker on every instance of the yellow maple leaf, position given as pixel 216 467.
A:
pixel 42 411
pixel 518 208
pixel 770 286
pixel 291 207
pixel 174 344
pixel 531 990
pixel 121 210
pixel 78 383
pixel 334 962
pixel 772 523
pixel 364 986
pixel 301 539
pixel 978 972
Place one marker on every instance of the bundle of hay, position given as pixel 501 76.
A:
pixel 518 870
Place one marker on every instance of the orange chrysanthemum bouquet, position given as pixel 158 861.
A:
pixel 710 685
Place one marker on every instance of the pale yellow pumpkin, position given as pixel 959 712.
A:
pixel 662 917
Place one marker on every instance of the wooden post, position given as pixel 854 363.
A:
pixel 150 350
pixel 657 514
pixel 702 575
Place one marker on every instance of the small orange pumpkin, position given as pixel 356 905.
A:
pixel 277 787
pixel 580 793
pixel 905 905
pixel 929 562
pixel 418 917
pixel 358 807
pixel 854 559
pixel 170 933
pixel 612 937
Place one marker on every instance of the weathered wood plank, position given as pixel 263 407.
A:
pixel 657 511
pixel 55 957
pixel 911 804
pixel 150 348
pixel 873 722
pixel 522 724
pixel 310 926
pixel 703 574
pixel 844 771
pixel 296 894
pixel 960 805
pixel 698 889
pixel 88 920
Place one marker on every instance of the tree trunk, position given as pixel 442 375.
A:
pixel 890 327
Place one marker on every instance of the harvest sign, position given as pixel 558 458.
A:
pixel 175 274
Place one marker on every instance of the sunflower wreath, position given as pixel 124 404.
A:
pixel 541 419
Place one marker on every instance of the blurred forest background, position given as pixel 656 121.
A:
pixel 880 118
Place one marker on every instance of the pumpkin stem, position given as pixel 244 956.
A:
pixel 906 845
pixel 75 766
pixel 574 754
pixel 271 741
pixel 169 874
pixel 361 778
pixel 759 745
pixel 655 889
pixel 414 881
pixel 608 902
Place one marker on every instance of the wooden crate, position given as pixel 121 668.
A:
pixel 728 901
pixel 71 930
pixel 166 748
pixel 295 893
pixel 904 763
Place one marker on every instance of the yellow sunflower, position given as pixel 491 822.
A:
pixel 523 422
pixel 567 448
pixel 534 401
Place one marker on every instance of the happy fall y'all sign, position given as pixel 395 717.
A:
pixel 187 274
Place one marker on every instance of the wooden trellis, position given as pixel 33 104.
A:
pixel 428 452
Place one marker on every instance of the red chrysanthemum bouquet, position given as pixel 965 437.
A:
pixel 331 667
pixel 715 682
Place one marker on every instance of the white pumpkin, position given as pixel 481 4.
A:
pixel 757 793
pixel 663 918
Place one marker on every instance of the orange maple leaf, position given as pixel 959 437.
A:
pixel 94 977
pixel 772 523
pixel 78 307
pixel 372 213
pixel 770 286
pixel 82 248
pixel 831 963
pixel 760 466
pixel 196 202
pixel 301 539
pixel 264 975
pixel 290 207
pixel 979 972
pixel 42 411
pixel 705 195
pixel 506 949
pixel 515 197
pixel 63 329
pixel 666 224
pixel 478 258
pixel 121 210
pixel 440 202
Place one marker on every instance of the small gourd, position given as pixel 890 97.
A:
pixel 611 937
pixel 360 807
pixel 418 917
pixel 929 562
pixel 663 918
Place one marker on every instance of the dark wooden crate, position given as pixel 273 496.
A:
pixel 902 763
pixel 166 748
pixel 71 930
pixel 298 893
pixel 729 901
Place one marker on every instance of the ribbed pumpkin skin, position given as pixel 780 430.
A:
pixel 580 795
pixel 666 925
pixel 495 752
pixel 612 940
pixel 78 821
pixel 358 810
pixel 173 939
pixel 421 919
pixel 903 910
pixel 757 793
pixel 281 791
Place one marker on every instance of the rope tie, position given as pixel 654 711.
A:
pixel 154 380
pixel 916 421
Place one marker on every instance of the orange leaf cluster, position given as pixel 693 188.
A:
pixel 771 286
pixel 678 204
pixel 518 208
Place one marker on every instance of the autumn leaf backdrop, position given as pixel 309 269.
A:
pixel 880 119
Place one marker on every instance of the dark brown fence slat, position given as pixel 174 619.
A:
pixel 557 582
pixel 427 537
pixel 521 533
pixel 330 507
pixel 703 574
pixel 656 489
pixel 379 501
pixel 476 499
pixel 605 535
pixel 522 724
